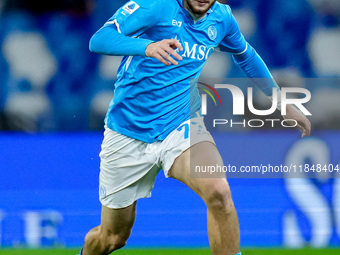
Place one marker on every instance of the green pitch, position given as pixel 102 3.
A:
pixel 173 252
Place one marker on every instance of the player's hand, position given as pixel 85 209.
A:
pixel 164 51
pixel 303 123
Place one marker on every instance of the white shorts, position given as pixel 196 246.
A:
pixel 128 167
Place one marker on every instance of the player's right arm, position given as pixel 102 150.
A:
pixel 119 35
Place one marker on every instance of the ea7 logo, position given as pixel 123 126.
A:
pixel 177 23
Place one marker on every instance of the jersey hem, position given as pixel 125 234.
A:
pixel 133 135
pixel 126 132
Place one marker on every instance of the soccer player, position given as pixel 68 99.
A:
pixel 165 43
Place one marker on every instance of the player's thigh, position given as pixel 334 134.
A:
pixel 118 222
pixel 201 154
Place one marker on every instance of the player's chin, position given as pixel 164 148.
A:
pixel 200 10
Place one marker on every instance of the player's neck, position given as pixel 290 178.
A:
pixel 196 18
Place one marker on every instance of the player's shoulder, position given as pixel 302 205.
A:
pixel 152 4
pixel 145 8
pixel 222 11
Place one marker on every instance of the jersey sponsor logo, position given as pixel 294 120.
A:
pixel 200 52
pixel 212 32
pixel 131 7
pixel 195 51
pixel 177 23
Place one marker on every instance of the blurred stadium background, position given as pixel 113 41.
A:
pixel 54 94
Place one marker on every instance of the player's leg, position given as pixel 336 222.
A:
pixel 113 232
pixel 127 173
pixel 223 226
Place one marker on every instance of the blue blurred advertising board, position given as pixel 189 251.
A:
pixel 48 192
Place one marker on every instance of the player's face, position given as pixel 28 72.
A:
pixel 198 7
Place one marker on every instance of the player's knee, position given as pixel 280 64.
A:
pixel 218 197
pixel 113 242
pixel 107 241
pixel 116 242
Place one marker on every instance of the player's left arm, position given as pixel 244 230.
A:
pixel 253 66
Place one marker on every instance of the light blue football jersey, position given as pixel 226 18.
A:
pixel 152 99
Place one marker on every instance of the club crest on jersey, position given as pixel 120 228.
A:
pixel 212 32
pixel 130 7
